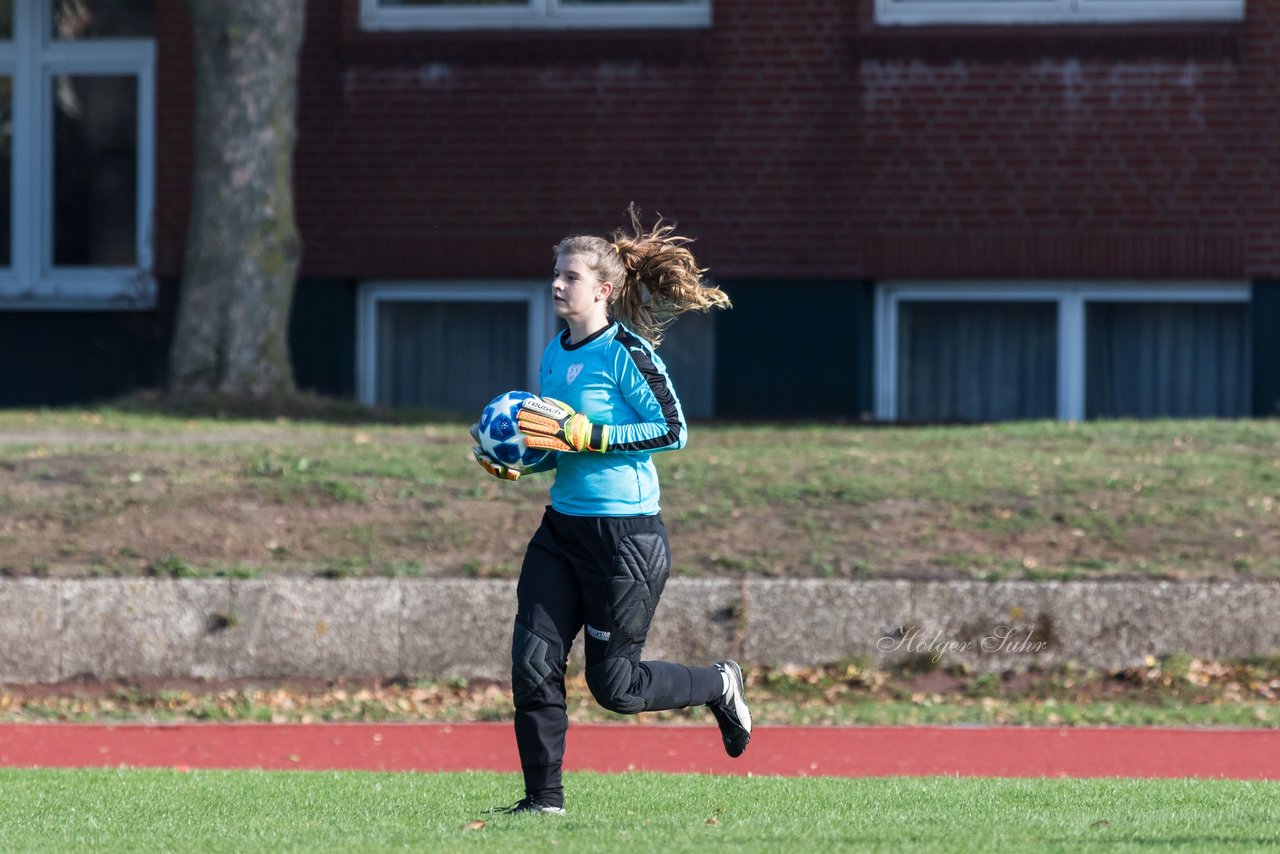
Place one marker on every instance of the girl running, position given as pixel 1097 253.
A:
pixel 601 557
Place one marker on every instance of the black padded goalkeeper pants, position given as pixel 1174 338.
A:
pixel 604 573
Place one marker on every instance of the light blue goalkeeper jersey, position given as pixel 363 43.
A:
pixel 613 377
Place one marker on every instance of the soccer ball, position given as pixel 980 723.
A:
pixel 499 437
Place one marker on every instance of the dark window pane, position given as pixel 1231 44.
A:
pixel 95 171
pixel 632 2
pixel 391 3
pixel 103 19
pixel 6 19
pixel 689 352
pixel 977 361
pixel 1167 360
pixel 450 356
pixel 401 3
pixel 6 169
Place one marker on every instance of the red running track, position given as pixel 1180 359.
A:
pixel 788 751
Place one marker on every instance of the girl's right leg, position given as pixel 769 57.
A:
pixel 548 616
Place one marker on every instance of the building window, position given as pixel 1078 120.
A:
pixel 449 347
pixel 977 361
pixel 453 346
pixel 76 153
pixel 510 14
pixel 1182 360
pixel 951 352
pixel 960 12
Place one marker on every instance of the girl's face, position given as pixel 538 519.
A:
pixel 577 291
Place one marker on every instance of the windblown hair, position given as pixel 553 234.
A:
pixel 655 277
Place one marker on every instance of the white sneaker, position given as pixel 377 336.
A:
pixel 731 711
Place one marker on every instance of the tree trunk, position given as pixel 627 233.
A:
pixel 242 244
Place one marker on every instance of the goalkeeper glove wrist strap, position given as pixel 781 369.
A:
pixel 596 438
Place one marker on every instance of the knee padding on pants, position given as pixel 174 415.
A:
pixel 610 684
pixel 529 664
pixel 639 573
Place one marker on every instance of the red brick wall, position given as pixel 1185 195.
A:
pixel 1103 152
pixel 792 139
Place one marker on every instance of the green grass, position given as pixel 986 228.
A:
pixel 1035 500
pixel 163 810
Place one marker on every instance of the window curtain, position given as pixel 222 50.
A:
pixel 977 361
pixel 450 356
pixel 1180 360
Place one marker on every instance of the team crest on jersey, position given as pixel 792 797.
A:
pixel 572 373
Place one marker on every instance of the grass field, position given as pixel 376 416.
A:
pixel 150 810
pixel 112 492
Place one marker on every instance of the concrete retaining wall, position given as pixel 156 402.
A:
pixel 52 630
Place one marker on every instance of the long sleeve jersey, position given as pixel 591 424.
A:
pixel 613 377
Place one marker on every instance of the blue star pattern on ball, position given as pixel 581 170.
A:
pixel 499 437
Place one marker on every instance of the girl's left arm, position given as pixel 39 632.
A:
pixel 646 386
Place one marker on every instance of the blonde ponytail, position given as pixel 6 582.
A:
pixel 655 276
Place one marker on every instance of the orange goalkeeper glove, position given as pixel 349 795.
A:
pixel 548 423
pixel 494 467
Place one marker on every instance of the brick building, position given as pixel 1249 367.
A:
pixel 922 209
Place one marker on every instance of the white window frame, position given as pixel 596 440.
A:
pixel 962 12
pixel 535 14
pixel 32 60
pixel 1071 301
pixel 370 295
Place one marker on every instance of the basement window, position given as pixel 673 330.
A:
pixel 449 346
pixel 530 14
pixel 1001 351
pixel 1030 12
